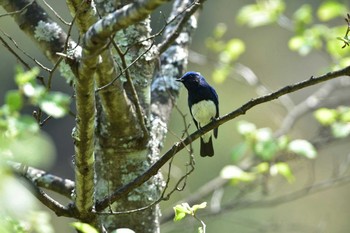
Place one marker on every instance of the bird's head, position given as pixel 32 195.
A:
pixel 191 79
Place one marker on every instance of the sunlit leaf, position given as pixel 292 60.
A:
pixel 199 206
pixel 340 129
pixel 244 128
pixel 345 115
pixel 181 210
pixel 334 47
pixel 330 10
pixel 266 150
pixel 84 227
pixel 123 230
pixel 302 17
pixel 302 147
pixel 14 100
pixel 219 30
pixel 25 77
pixel 200 230
pixel 262 167
pixel 282 142
pixel 234 48
pixel 220 74
pixel 326 116
pixel 284 170
pixel 234 173
pixel 33 149
pixel 40 222
pixel 261 13
pixel 26 123
pixel 239 151
pixel 263 134
pixel 55 104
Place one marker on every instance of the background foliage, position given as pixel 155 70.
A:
pixel 245 49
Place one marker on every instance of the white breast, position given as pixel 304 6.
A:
pixel 203 112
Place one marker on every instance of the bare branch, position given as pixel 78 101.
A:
pixel 84 13
pixel 221 120
pixel 24 52
pixel 18 11
pixel 98 35
pixel 19 58
pixel 175 31
pixel 35 22
pixel 35 177
pixel 55 206
pixel 45 180
pixel 56 14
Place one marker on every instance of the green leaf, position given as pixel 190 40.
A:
pixel 84 227
pixel 123 230
pixel 55 104
pixel 284 170
pixel 245 128
pixel 220 74
pixel 261 13
pixel 239 151
pixel 262 167
pixel 199 206
pixel 25 77
pixel 33 149
pixel 282 142
pixel 234 48
pixel 345 115
pixel 26 123
pixel 326 116
pixel 334 47
pixel 181 210
pixel 266 150
pixel 302 147
pixel 14 100
pixel 200 230
pixel 234 173
pixel 302 17
pixel 266 146
pixel 330 10
pixel 219 30
pixel 340 129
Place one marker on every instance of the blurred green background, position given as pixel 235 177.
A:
pixel 267 54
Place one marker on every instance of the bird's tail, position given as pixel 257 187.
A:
pixel 207 148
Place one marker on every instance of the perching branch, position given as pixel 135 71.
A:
pixel 221 120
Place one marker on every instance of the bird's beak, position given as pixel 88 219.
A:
pixel 178 80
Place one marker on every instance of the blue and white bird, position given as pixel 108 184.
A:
pixel 203 102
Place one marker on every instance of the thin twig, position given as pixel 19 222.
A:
pixel 124 70
pixel 56 14
pixel 175 33
pixel 137 104
pixel 14 53
pixel 19 11
pixel 32 58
